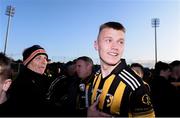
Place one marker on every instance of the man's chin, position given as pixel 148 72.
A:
pixel 41 72
pixel 114 63
pixel 111 62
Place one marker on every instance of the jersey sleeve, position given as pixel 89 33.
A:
pixel 141 105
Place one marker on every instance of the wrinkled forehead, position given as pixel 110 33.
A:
pixel 39 57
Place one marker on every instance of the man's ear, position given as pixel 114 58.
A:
pixel 96 45
pixel 6 84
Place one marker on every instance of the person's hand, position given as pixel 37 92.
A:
pixel 94 112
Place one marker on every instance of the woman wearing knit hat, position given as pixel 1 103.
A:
pixel 29 88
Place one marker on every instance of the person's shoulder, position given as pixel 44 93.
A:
pixel 130 74
pixel 131 78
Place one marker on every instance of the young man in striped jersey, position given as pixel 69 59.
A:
pixel 116 89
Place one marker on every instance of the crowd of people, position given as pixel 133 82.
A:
pixel 80 88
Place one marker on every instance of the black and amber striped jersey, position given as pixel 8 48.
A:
pixel 121 93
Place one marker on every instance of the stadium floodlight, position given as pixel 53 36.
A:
pixel 10 13
pixel 155 23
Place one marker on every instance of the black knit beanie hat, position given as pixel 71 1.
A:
pixel 30 53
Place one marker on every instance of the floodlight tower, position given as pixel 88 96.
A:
pixel 155 23
pixel 9 12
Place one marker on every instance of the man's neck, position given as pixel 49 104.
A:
pixel 107 69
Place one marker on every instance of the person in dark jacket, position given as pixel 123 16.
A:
pixel 74 102
pixel 85 76
pixel 5 82
pixel 29 88
pixel 164 94
pixel 59 94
